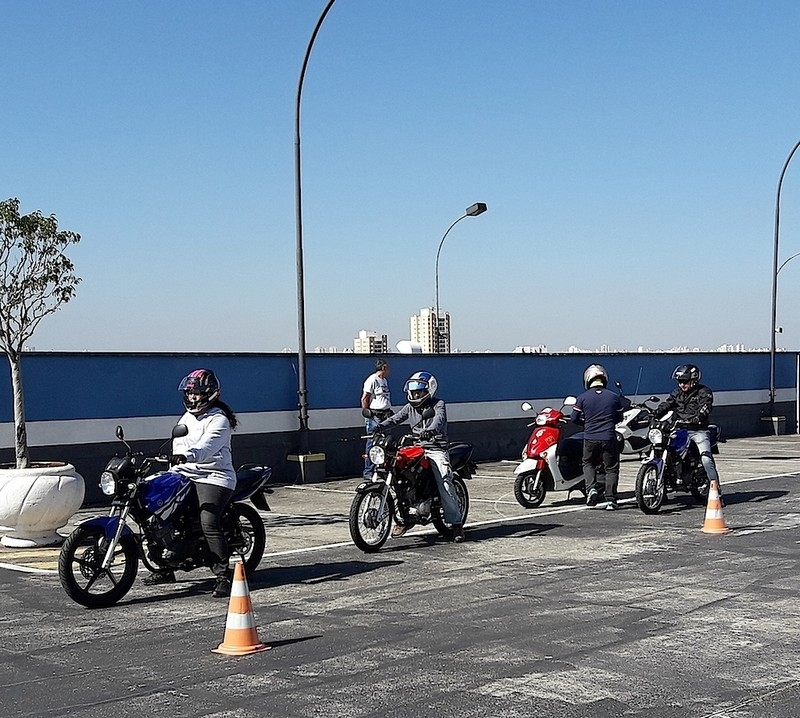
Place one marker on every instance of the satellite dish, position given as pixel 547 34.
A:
pixel 406 346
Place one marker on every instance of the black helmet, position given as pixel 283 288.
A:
pixel 200 390
pixel 687 373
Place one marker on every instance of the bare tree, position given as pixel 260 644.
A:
pixel 36 278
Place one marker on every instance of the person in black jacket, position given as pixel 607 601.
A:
pixel 692 403
pixel 598 410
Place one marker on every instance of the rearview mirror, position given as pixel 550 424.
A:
pixel 179 430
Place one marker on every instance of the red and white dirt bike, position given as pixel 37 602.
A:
pixel 403 490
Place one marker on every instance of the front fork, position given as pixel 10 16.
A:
pixel 387 482
pixel 112 545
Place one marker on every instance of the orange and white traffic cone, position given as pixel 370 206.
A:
pixel 241 636
pixel 714 523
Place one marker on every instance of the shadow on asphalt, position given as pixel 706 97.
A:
pixel 684 502
pixel 741 497
pixel 272 576
pixel 275 522
pixel 519 529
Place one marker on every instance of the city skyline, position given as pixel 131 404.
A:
pixel 628 152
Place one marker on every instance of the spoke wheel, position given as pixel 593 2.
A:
pixel 369 529
pixel 650 489
pixel 80 567
pixel 529 489
pixel 250 536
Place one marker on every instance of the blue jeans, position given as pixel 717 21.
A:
pixel 702 437
pixel 369 467
pixel 440 464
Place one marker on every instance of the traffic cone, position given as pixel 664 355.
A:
pixel 714 523
pixel 241 636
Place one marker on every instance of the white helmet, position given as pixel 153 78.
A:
pixel 420 381
pixel 595 374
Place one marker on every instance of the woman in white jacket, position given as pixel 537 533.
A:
pixel 204 456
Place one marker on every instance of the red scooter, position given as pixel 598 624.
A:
pixel 551 460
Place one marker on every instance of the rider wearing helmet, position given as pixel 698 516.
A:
pixel 692 403
pixel 204 456
pixel 599 410
pixel 420 391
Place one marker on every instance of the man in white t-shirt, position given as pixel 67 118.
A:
pixel 376 397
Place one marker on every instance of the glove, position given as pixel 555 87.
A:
pixel 427 434
pixel 378 429
pixel 176 459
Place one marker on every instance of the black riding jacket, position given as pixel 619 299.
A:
pixel 691 407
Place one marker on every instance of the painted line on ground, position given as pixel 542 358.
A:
pixel 532 513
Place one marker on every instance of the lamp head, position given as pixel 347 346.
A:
pixel 475 209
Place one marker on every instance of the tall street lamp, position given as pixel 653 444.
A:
pixel 472 211
pixel 775 269
pixel 302 389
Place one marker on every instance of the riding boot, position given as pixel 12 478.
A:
pixel 458 533
pixel 159 577
pixel 222 588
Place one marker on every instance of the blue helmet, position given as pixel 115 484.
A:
pixel 420 381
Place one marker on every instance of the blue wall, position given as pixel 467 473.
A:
pixel 74 400
pixel 64 386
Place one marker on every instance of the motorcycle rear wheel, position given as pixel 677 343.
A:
pixel 650 490
pixel 80 571
pixel 368 530
pixel 700 491
pixel 528 493
pixel 251 536
pixel 462 495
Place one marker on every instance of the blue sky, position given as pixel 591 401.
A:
pixel 629 153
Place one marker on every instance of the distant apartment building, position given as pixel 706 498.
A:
pixel 369 343
pixel 433 336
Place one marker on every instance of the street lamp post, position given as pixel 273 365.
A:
pixel 302 389
pixel 775 270
pixel 472 211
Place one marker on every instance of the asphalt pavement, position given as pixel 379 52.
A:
pixel 560 611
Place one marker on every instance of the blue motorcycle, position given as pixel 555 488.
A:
pixel 99 560
pixel 673 464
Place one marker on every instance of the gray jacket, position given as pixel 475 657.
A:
pixel 437 423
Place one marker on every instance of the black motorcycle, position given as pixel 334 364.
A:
pixel 673 464
pixel 100 558
pixel 403 490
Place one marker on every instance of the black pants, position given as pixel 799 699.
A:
pixel 213 500
pixel 605 452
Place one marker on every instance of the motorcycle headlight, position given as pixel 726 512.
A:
pixel 108 483
pixel 655 436
pixel 377 455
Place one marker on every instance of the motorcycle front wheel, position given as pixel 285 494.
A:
pixel 368 529
pixel 529 489
pixel 250 536
pixel 80 567
pixel 462 496
pixel 650 489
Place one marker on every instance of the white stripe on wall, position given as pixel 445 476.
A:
pixel 94 431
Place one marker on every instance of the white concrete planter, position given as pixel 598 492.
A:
pixel 36 501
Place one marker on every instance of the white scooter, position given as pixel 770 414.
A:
pixel 632 431
pixel 551 461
